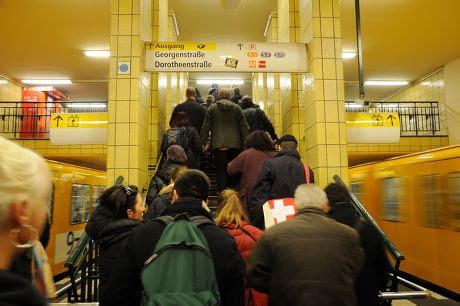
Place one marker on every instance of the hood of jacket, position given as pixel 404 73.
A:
pixel 344 213
pixel 292 153
pixel 15 290
pixel 225 105
pixel 105 229
pixel 192 206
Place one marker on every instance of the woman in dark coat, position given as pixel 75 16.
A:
pixel 258 148
pixel 120 210
pixel 374 273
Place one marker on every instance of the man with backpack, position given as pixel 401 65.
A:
pixel 194 110
pixel 182 258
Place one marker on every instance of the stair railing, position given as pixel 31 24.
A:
pixel 391 249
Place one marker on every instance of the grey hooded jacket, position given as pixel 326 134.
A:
pixel 227 124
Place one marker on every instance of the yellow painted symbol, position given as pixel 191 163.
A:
pixel 376 120
pixel 79 120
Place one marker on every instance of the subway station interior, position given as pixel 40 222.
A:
pixel 370 89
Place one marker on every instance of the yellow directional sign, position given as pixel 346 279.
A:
pixel 181 46
pixel 79 120
pixel 374 120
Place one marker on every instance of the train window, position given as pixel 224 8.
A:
pixel 432 200
pixel 97 191
pixel 357 189
pixel 453 195
pixel 391 199
pixel 79 211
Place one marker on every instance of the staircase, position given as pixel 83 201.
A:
pixel 210 171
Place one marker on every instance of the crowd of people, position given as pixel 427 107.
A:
pixel 175 252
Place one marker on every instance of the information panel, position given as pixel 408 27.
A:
pixel 78 128
pixel 226 57
pixel 373 127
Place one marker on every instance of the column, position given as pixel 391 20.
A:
pixel 323 89
pixel 128 102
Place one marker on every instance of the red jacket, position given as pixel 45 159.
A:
pixel 245 244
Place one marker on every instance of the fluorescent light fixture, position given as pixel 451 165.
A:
pixel 348 55
pixel 97 53
pixel 46 82
pixel 90 105
pixel 225 56
pixel 3 82
pixel 354 106
pixel 220 82
pixel 386 83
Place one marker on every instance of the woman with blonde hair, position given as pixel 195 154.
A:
pixel 25 189
pixel 232 218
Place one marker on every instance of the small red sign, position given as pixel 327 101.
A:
pixel 262 64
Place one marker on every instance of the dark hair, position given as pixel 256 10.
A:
pixel 259 140
pixel 236 91
pixel 180 119
pixel 192 183
pixel 178 171
pixel 340 205
pixel 336 194
pixel 288 145
pixel 118 199
pixel 246 102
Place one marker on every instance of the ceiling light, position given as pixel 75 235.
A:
pixel 97 53
pixel 220 82
pixel 3 82
pixel 46 82
pixel 353 105
pixel 386 83
pixel 348 55
pixel 90 105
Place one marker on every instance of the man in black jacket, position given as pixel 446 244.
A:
pixel 191 191
pixel 194 110
pixel 278 178
pixel 256 118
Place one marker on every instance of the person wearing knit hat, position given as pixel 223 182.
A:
pixel 175 157
pixel 176 153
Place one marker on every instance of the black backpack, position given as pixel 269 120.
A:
pixel 176 136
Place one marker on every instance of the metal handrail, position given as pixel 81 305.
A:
pixel 389 246
pixel 419 293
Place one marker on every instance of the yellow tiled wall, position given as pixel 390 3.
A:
pixel 10 92
pixel 428 89
pixel 129 100
pixel 323 96
pixel 273 104
pixel 406 145
pixel 44 147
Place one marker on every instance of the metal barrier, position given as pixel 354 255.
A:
pixel 416 118
pixel 392 250
pixel 83 272
pixel 31 120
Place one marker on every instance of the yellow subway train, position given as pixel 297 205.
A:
pixel 415 199
pixel 75 193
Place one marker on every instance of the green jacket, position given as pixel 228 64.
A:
pixel 227 124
